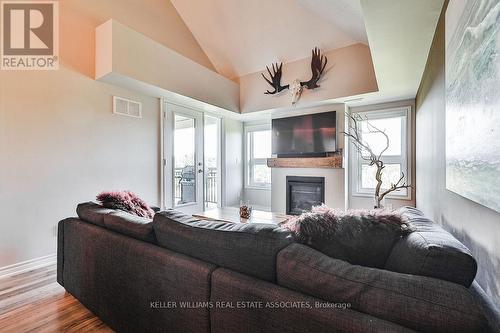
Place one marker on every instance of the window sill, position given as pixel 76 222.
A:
pixel 261 188
pixel 389 197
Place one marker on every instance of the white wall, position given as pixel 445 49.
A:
pixel 60 144
pixel 258 198
pixel 475 225
pixel 362 202
pixel 233 168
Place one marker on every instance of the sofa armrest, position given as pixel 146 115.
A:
pixel 421 303
pixel 60 250
pixel 490 309
pixel 431 251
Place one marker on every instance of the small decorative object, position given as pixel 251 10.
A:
pixel 366 152
pixel 318 64
pixel 245 210
pixel 126 201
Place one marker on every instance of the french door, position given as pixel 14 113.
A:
pixel 184 146
pixel 192 159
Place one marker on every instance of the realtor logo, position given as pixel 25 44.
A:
pixel 29 35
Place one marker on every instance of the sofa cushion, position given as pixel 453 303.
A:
pixel 130 225
pixel 247 248
pixel 360 237
pixel 421 303
pixel 274 309
pixel 429 250
pixel 92 212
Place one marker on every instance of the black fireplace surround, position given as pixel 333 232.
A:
pixel 302 193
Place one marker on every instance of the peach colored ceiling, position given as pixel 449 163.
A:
pixel 241 37
pixel 157 19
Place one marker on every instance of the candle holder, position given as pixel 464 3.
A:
pixel 245 211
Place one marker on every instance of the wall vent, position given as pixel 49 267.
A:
pixel 127 107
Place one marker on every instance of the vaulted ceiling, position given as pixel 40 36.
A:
pixel 242 37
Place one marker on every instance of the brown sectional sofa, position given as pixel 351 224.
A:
pixel 179 274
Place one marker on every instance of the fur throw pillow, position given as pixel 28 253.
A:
pixel 359 237
pixel 126 201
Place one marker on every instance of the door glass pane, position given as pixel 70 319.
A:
pixel 212 144
pixel 377 141
pixel 390 175
pixel 184 160
pixel 261 144
pixel 261 174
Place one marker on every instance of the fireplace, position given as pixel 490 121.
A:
pixel 304 192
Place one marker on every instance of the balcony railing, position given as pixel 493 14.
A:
pixel 211 191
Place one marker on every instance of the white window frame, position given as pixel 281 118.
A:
pixel 249 162
pixel 404 159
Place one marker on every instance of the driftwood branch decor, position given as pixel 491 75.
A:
pixel 318 65
pixel 355 133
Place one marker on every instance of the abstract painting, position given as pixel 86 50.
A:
pixel 473 100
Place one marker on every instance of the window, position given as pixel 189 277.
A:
pixel 258 150
pixel 396 124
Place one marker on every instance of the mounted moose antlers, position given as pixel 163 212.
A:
pixel 318 64
pixel 275 81
pixel 317 68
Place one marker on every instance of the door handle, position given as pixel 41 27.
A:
pixel 200 170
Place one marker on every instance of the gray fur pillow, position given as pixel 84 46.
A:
pixel 360 237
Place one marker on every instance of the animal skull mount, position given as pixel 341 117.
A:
pixel 296 90
pixel 318 64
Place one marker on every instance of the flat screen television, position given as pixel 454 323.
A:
pixel 307 135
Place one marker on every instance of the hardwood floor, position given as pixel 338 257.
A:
pixel 34 302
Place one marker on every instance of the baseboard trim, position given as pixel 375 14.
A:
pixel 28 265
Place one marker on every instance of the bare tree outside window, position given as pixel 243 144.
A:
pixel 366 152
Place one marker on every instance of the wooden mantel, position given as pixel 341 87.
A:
pixel 330 162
